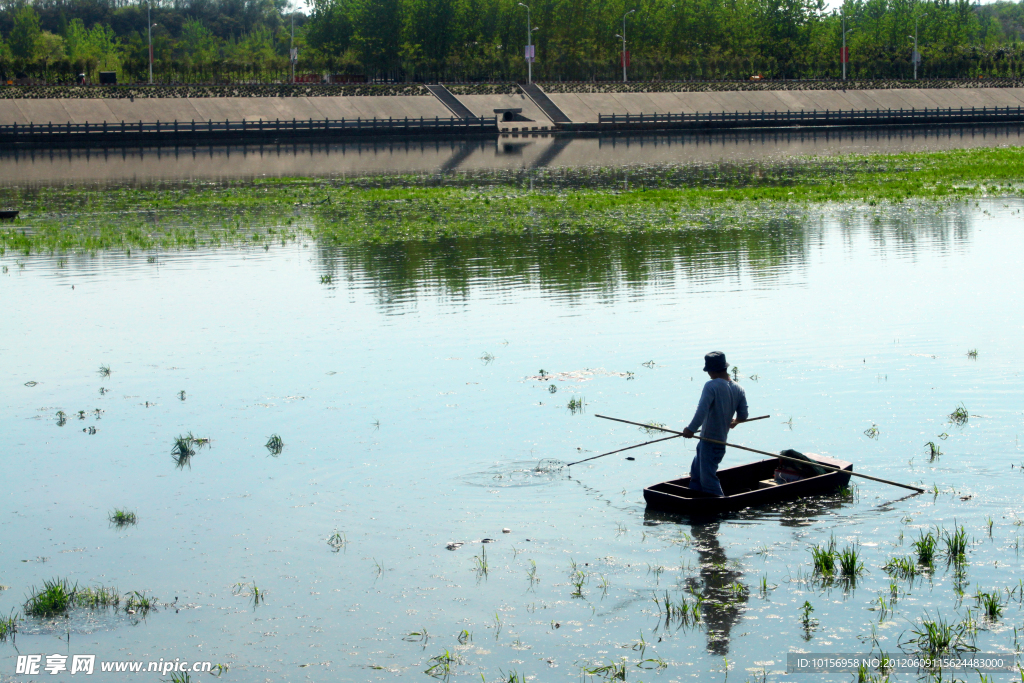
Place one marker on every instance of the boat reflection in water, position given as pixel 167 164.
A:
pixel 718 584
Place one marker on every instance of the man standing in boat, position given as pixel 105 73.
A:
pixel 720 400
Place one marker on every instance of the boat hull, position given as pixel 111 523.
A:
pixel 740 485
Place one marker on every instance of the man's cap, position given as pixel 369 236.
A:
pixel 715 362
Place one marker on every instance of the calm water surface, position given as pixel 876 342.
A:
pixel 405 392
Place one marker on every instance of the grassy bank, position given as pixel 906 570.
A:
pixel 390 208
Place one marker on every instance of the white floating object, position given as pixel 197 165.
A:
pixel 506 530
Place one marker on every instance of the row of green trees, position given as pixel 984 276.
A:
pixel 217 40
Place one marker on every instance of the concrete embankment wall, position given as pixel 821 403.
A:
pixel 585 107
pixel 42 111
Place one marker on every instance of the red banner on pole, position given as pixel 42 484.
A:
pixel 624 58
pixel 844 55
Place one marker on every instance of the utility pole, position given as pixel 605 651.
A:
pixel 529 44
pixel 292 56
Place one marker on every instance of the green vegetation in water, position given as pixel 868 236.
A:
pixel 104 371
pixel 959 417
pixel 9 626
pixel 956 543
pixel 925 547
pixel 990 603
pixel 901 567
pixel 337 540
pixel 850 565
pixel 181 395
pixel 614 670
pixel 933 450
pixel 62 418
pixel 652 427
pixel 935 637
pixel 185 446
pixel 56 598
pixel 739 197
pixel 678 609
pixel 139 603
pixel 441 665
pixel 121 518
pixel 274 444
pixel 823 557
pixel 871 432
pixel 576 405
pixel 97 596
pixel 805 616
pixel 973 354
pixel 326 279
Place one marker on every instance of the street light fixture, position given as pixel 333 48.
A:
pixel 916 57
pixel 623 36
pixel 529 44
pixel 844 57
pixel 149 30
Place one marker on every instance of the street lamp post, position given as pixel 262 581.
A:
pixel 149 30
pixel 916 57
pixel 529 44
pixel 845 56
pixel 623 36
pixel 291 49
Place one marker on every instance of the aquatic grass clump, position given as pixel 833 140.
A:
pixel 973 354
pixel 960 416
pixel 850 565
pixel 441 665
pixel 933 451
pixel 9 626
pixel 100 596
pixel 122 518
pixel 991 603
pixel 936 637
pixel 901 567
pixel 823 557
pixel 185 446
pixel 652 427
pixel 871 432
pixel 274 444
pixel 612 671
pixel 104 371
pixel 679 609
pixel 137 602
pixel 956 543
pixel 925 547
pixel 55 599
pixel 337 540
pixel 576 405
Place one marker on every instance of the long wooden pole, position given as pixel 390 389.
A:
pixel 772 455
pixel 645 443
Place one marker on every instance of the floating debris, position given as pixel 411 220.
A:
pixel 454 545
pixel 31 384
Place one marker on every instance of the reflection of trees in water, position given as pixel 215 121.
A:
pixel 908 226
pixel 606 265
pixel 600 264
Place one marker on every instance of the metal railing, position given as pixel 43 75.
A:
pixel 108 131
pixel 840 117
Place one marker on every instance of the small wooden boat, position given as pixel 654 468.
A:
pixel 8 214
pixel 745 486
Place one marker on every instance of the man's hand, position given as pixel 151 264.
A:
pixel 732 425
pixel 687 433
